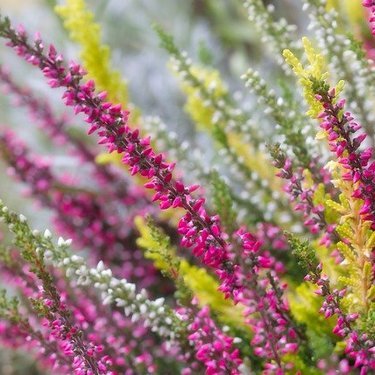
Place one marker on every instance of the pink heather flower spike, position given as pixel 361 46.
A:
pixel 358 162
pixel 213 347
pixel 302 198
pixel 370 4
pixel 200 231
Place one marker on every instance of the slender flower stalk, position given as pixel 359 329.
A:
pixel 297 129
pixel 276 35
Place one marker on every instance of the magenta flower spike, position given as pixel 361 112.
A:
pixel 302 198
pixel 357 161
pixel 213 348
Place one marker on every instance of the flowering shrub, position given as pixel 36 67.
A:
pixel 260 260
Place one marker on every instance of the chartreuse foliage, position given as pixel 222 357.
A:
pixel 83 29
pixel 356 247
pixel 315 71
pixel 189 279
pixel 202 114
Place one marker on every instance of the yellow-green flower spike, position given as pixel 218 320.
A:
pixel 314 71
pixel 79 21
pixel 157 248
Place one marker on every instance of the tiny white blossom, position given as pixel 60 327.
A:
pixel 22 218
pixel 100 266
pixel 47 234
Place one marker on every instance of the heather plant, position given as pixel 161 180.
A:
pixel 246 249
